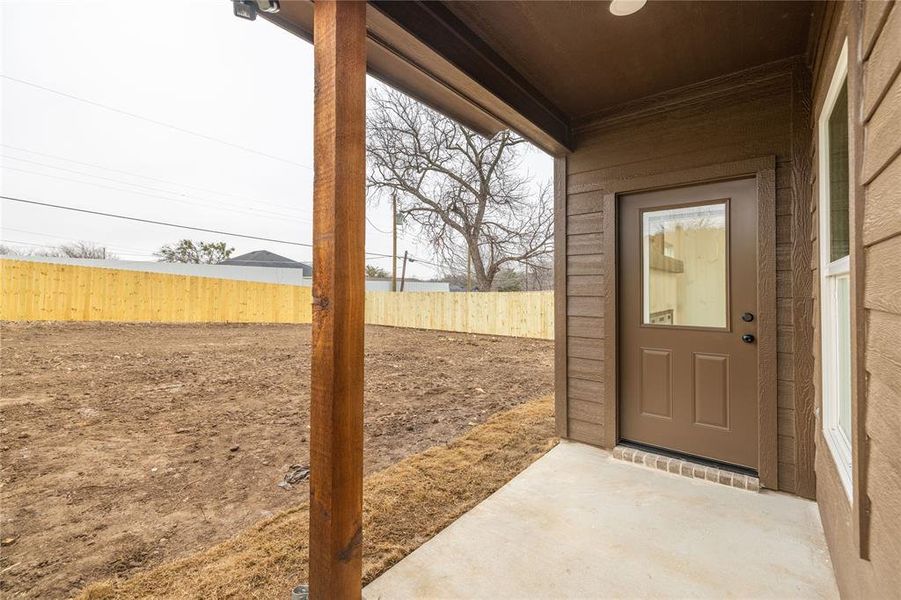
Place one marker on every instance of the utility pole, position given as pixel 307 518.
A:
pixel 403 272
pixel 394 241
pixel 468 269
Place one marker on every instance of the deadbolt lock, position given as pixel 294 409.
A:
pixel 747 317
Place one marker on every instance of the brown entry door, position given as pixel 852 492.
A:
pixel 688 316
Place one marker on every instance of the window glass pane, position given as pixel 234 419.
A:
pixel 684 266
pixel 843 347
pixel 838 177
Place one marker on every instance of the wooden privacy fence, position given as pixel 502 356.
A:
pixel 39 291
pixel 520 314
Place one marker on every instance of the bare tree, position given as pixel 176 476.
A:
pixel 73 250
pixel 463 193
pixel 85 250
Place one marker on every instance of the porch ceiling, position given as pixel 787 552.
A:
pixel 586 60
pixel 542 68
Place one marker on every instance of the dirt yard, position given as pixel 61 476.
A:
pixel 126 445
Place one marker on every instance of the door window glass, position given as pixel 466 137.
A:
pixel 684 260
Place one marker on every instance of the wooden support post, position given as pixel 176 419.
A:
pixel 468 269
pixel 336 399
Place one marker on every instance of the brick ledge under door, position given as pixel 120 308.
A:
pixel 686 468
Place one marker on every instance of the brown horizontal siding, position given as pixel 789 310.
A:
pixel 585 411
pixel 784 371
pixel 874 16
pixel 587 223
pixel 883 416
pixel 589 202
pixel 783 229
pixel 712 128
pixel 883 134
pixel 748 125
pixel 786 422
pixel 585 368
pixel 882 215
pixel 785 338
pixel 783 257
pixel 596 180
pixel 783 284
pixel 786 289
pixel 882 291
pixel 584 431
pixel 787 477
pixel 785 391
pixel 783 175
pixel 866 565
pixel 587 327
pixel 585 243
pixel 585 306
pixel 590 264
pixel 786 446
pixel 784 311
pixel 583 389
pixel 885 517
pixel 882 67
pixel 585 348
pixel 585 285
pixel 784 196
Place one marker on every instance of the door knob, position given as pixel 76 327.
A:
pixel 747 338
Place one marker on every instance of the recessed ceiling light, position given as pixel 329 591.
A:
pixel 621 8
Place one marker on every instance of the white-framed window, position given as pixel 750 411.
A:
pixel 835 269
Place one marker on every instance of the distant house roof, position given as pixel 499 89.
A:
pixel 264 258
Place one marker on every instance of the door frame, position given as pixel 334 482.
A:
pixel 763 169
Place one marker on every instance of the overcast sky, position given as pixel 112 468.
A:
pixel 167 111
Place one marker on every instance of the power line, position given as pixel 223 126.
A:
pixel 376 228
pixel 411 259
pixel 165 223
pixel 154 121
pixel 207 204
pixel 180 199
pixel 158 197
pixel 116 251
pixel 152 222
pixel 148 177
pixel 117 248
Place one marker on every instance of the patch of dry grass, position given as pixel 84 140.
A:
pixel 403 506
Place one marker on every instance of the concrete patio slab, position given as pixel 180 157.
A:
pixel 579 524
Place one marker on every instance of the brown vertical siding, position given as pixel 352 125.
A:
pixel 745 117
pixel 865 540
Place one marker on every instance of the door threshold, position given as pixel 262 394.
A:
pixel 686 467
